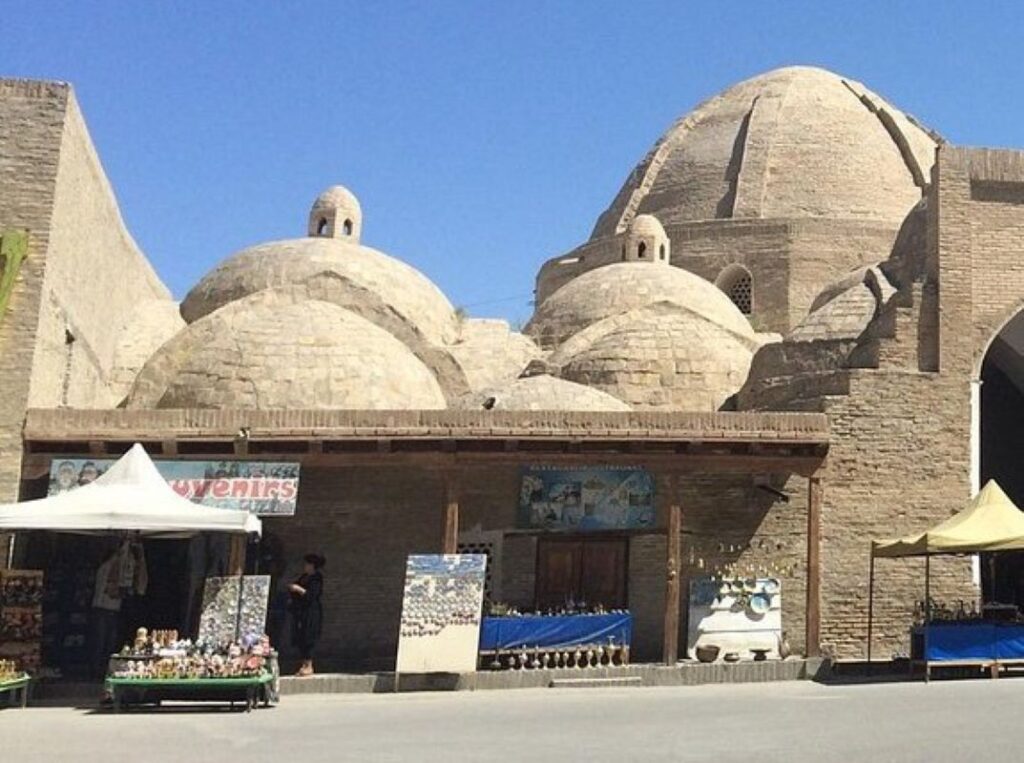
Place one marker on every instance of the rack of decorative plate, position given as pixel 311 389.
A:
pixel 735 618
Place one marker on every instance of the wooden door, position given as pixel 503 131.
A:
pixel 603 573
pixel 588 569
pixel 559 562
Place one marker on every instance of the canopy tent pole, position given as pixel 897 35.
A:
pixel 871 603
pixel 927 611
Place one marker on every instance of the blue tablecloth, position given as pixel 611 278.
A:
pixel 975 641
pixel 554 631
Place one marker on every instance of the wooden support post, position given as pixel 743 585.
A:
pixel 812 646
pixel 236 555
pixel 871 603
pixel 450 533
pixel 672 558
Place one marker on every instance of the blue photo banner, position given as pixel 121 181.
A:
pixel 583 499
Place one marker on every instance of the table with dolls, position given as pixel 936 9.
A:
pixel 159 667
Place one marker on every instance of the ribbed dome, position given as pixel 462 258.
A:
pixel 663 358
pixel 794 142
pixel 375 281
pixel 266 352
pixel 624 286
pixel 543 393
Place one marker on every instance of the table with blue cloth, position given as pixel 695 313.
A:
pixel 984 643
pixel 499 634
pixel 974 641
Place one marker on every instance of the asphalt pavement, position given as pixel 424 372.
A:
pixel 792 721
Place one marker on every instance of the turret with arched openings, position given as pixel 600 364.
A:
pixel 336 214
pixel 646 241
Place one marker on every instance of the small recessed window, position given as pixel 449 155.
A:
pixel 347 227
pixel 321 227
pixel 641 251
pixel 737 282
pixel 662 251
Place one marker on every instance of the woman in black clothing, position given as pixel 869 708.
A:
pixel 307 611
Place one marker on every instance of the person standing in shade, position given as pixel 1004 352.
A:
pixel 307 610
pixel 105 618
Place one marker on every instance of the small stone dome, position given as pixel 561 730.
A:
pixel 268 352
pixel 378 287
pixel 624 286
pixel 542 393
pixel 490 353
pixel 646 241
pixel 336 214
pixel 791 143
pixel 663 358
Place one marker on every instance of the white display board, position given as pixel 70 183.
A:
pixel 736 616
pixel 440 630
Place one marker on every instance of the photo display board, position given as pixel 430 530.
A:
pixel 441 608
pixel 234 608
pixel 595 498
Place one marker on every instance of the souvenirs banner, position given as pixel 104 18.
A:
pixel 598 498
pixel 440 628
pixel 261 487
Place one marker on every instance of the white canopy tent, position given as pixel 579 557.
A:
pixel 130 496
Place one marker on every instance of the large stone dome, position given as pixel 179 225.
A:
pixel 268 351
pixel 624 286
pixel 378 287
pixel 792 143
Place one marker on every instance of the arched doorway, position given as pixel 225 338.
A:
pixel 1001 440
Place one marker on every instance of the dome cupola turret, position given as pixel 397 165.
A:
pixel 336 214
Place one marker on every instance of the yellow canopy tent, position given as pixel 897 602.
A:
pixel 990 522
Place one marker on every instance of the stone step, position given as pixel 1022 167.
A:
pixel 595 683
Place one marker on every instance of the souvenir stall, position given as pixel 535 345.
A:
pixel 990 636
pixel 132 497
pixel 569 638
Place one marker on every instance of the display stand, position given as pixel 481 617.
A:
pixel 18 689
pixel 140 691
pixel 571 640
pixel 265 687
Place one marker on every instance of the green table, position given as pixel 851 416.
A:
pixel 248 690
pixel 17 686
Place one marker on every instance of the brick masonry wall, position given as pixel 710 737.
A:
pixel 790 261
pixel 96 276
pixel 31 123
pixel 367 520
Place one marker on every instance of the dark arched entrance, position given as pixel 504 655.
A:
pixel 1002 449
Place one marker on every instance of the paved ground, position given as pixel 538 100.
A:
pixel 795 721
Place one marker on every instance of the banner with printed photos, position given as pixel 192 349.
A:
pixel 584 499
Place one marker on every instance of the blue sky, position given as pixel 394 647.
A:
pixel 481 138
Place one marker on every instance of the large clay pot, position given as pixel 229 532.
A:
pixel 707 652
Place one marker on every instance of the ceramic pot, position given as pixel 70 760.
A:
pixel 707 653
pixel 731 657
